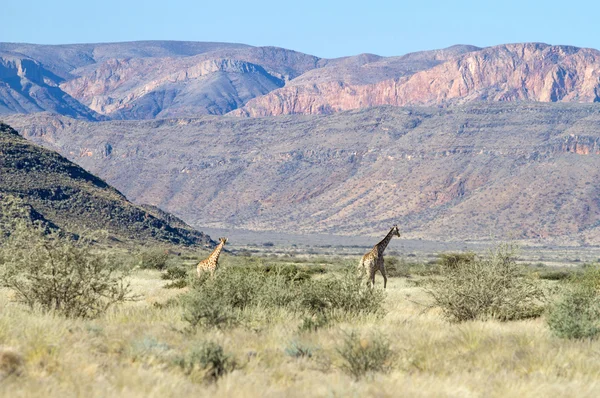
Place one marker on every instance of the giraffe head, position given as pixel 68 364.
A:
pixel 224 240
pixel 395 231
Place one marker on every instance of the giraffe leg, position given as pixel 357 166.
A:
pixel 372 274
pixel 382 270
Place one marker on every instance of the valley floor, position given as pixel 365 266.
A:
pixel 128 351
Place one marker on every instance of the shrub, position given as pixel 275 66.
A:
pixel 394 267
pixel 554 275
pixel 588 278
pixel 299 350
pixel 153 259
pixel 219 301
pixel 177 275
pixel 348 294
pixel 59 274
pixel 148 347
pixel 210 359
pixel 453 260
pixel 576 314
pixel 11 362
pixel 400 268
pixel 363 355
pixel 314 322
pixel 493 286
pixel 208 308
pixel 291 272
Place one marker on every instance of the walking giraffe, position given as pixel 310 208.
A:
pixel 373 260
pixel 211 263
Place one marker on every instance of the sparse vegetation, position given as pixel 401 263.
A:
pixel 365 354
pixel 220 301
pixel 299 350
pixel 11 362
pixel 153 259
pixel 486 287
pixel 576 314
pixel 209 359
pixel 285 326
pixel 177 275
pixel 56 273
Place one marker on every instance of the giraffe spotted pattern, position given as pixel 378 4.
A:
pixel 373 260
pixel 210 264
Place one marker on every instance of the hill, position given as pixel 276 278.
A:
pixel 44 186
pixel 475 171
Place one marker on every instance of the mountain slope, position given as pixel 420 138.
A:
pixel 526 171
pixel 27 87
pixel 61 194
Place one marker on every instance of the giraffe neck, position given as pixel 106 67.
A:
pixel 383 244
pixel 214 256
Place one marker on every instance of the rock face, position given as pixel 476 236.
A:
pixel 508 170
pixel 516 72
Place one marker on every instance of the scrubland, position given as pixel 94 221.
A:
pixel 272 338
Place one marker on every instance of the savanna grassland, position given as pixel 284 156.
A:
pixel 297 326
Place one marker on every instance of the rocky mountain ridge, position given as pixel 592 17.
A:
pixel 516 72
pixel 156 80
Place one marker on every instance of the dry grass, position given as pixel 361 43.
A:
pixel 131 351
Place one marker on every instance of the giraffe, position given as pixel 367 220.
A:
pixel 211 263
pixel 373 260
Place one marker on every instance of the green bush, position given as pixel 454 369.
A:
pixel 576 314
pixel 219 301
pixel 291 272
pixel 554 275
pixel 299 350
pixel 588 278
pixel 364 355
pixel 395 268
pixel 314 322
pixel 45 269
pixel 177 275
pixel 347 294
pixel 453 260
pixel 205 306
pixel 490 287
pixel 400 268
pixel 153 259
pixel 210 359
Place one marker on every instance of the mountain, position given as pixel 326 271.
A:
pixel 514 72
pixel 510 170
pixel 143 80
pixel 211 83
pixel 27 87
pixel 166 79
pixel 42 185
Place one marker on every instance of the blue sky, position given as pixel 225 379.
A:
pixel 323 28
